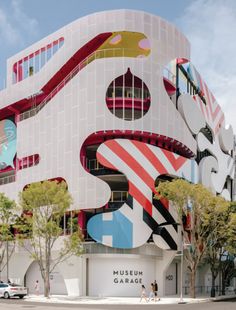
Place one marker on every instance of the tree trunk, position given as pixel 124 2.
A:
pixel 192 283
pixel 223 286
pixel 213 289
pixel 46 285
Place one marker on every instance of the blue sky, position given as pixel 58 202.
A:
pixel 209 24
pixel 27 21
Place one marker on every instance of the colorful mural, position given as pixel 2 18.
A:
pixel 7 144
pixel 132 225
pixel 208 127
pixel 152 130
pixel 122 44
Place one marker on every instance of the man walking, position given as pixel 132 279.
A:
pixel 156 290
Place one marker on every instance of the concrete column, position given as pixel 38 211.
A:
pixel 161 268
pixel 72 272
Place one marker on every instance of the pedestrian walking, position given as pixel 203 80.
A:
pixel 151 294
pixel 156 290
pixel 143 293
pixel 36 287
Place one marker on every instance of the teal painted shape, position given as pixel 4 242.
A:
pixel 7 144
pixel 120 228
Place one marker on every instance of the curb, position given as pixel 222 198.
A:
pixel 55 299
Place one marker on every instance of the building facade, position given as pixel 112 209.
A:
pixel 111 103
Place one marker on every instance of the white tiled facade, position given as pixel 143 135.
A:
pixel 58 131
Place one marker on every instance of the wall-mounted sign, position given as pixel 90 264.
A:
pixel 127 276
pixel 170 277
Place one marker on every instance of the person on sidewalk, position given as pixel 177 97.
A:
pixel 151 294
pixel 36 287
pixel 143 293
pixel 156 290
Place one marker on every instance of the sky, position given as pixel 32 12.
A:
pixel 210 26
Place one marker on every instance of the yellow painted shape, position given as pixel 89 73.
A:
pixel 127 46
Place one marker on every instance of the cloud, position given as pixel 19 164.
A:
pixel 210 26
pixel 8 33
pixel 16 27
pixel 27 23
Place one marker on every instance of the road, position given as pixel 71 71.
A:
pixel 15 304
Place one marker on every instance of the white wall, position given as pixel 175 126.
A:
pixel 57 283
pixel 103 280
pixel 58 131
pixel 170 280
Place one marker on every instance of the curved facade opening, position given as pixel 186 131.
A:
pixel 57 283
pixel 128 97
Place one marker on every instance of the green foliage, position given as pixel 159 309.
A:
pixel 7 217
pixel 72 224
pixel 43 205
pixel 23 227
pixel 232 229
pixel 218 240
pixel 207 218
pixel 47 193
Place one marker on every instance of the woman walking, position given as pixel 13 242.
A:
pixel 152 293
pixel 143 293
pixel 36 287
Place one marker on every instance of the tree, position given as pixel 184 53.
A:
pixel 231 242
pixel 7 217
pixel 227 266
pixel 227 269
pixel 218 236
pixel 196 203
pixel 45 204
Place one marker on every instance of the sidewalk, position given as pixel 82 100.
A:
pixel 63 299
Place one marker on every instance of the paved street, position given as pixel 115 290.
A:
pixel 15 304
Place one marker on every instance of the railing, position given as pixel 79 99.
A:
pixel 115 52
pixel 86 235
pixel 206 289
pixel 97 169
pixel 118 196
pixel 169 75
pixel 199 289
pixel 93 164
pixel 127 92
pixel 7 179
pixel 29 161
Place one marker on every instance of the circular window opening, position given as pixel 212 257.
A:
pixel 128 97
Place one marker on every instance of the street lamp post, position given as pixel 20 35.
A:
pixel 1 258
pixel 7 260
pixel 181 301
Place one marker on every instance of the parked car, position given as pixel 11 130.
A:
pixel 8 290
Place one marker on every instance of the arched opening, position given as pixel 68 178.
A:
pixel 57 283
